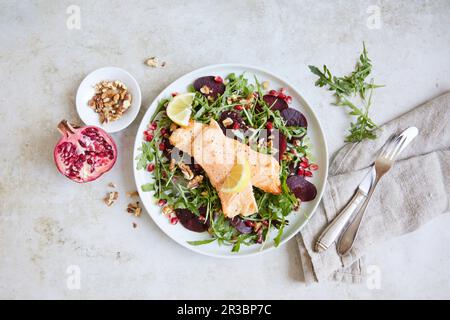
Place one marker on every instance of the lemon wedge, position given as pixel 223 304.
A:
pixel 238 178
pixel 179 108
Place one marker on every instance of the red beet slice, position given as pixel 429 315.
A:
pixel 217 88
pixel 240 225
pixel 275 103
pixel 303 189
pixel 190 221
pixel 294 118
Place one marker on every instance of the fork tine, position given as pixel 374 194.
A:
pixel 387 145
pixel 400 147
pixel 398 144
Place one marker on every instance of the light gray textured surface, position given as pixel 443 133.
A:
pixel 48 223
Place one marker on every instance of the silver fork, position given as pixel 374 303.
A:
pixel 383 164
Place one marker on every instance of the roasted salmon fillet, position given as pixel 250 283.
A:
pixel 217 154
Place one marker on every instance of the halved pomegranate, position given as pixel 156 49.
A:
pixel 84 153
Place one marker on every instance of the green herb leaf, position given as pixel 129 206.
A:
pixel 351 86
pixel 201 242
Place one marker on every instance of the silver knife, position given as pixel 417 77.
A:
pixel 333 230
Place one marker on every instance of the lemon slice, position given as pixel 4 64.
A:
pixel 238 179
pixel 179 108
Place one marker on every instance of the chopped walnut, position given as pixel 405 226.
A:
pixel 131 194
pixel 186 170
pixel 111 100
pixel 172 165
pixel 206 90
pixel 152 62
pixel 134 209
pixel 110 198
pixel 195 182
pixel 227 122
pixel 168 210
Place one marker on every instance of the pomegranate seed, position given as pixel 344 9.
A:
pixel 174 94
pixel 313 167
pixel 162 202
pixel 173 220
pixel 273 93
pixel 149 137
pixel 269 125
pixel 163 131
pixel 162 146
pixel 218 79
pixel 308 173
pixel 304 164
pixel 281 95
pixel 265 222
pixel 236 126
pixel 151 167
pixel 301 172
pixel 304 159
pixel 153 125
pixel 238 107
pixel 249 223
pixel 288 99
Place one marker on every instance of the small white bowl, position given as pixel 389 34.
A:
pixel 86 91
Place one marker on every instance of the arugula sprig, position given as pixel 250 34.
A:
pixel 347 88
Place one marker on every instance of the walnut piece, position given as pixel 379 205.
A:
pixel 206 90
pixel 132 194
pixel 111 100
pixel 227 122
pixel 186 170
pixel 134 208
pixel 152 62
pixel 195 182
pixel 110 198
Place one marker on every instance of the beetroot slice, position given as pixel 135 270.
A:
pixel 240 225
pixel 217 88
pixel 303 189
pixel 294 118
pixel 275 103
pixel 190 221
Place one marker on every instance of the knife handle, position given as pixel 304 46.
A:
pixel 334 229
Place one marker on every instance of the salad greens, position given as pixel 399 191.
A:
pixel 171 189
pixel 348 87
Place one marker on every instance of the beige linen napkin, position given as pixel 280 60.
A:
pixel 414 191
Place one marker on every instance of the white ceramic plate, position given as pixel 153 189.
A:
pixel 296 220
pixel 86 91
